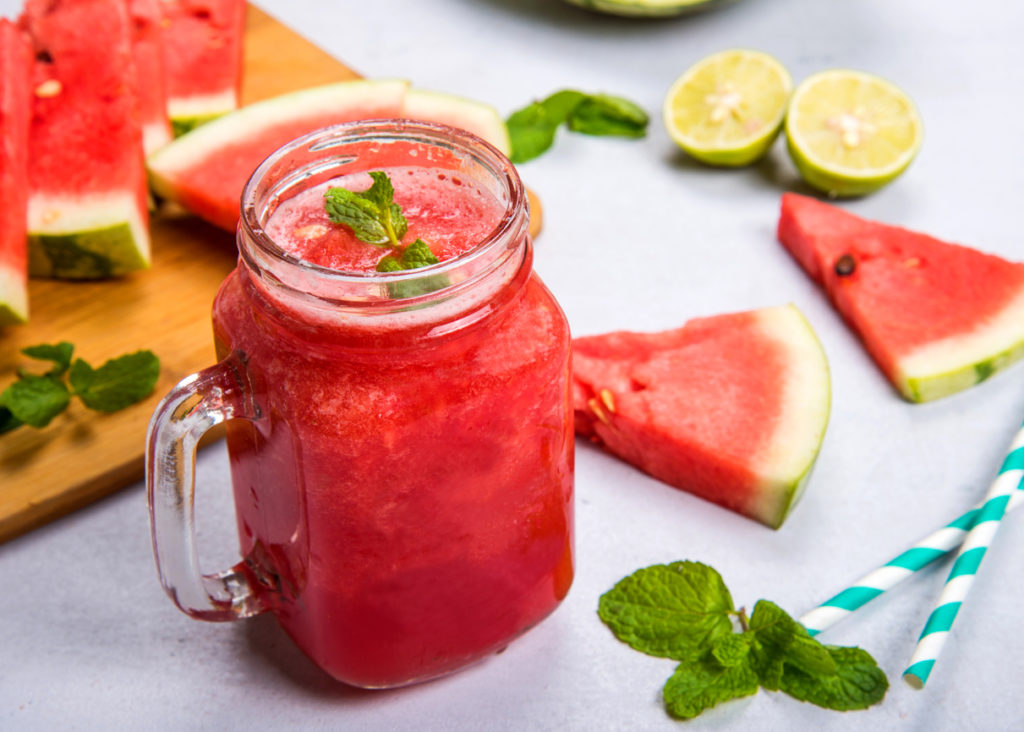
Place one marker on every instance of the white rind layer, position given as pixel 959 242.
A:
pixel 57 214
pixel 250 121
pixel 13 292
pixel 154 136
pixel 481 119
pixel 800 429
pixel 202 105
pixel 949 365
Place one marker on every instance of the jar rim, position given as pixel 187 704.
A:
pixel 261 253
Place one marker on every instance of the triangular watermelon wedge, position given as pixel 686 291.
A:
pixel 731 408
pixel 936 317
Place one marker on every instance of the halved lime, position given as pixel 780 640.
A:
pixel 727 108
pixel 850 133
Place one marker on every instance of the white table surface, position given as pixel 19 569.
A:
pixel 89 641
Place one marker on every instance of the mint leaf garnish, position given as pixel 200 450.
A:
pixel 35 400
pixel 857 683
pixel 59 354
pixel 376 219
pixel 695 687
pixel 532 129
pixel 116 384
pixel 373 215
pixel 603 114
pixel 675 611
pixel 684 611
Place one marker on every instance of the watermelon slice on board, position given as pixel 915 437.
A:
pixel 936 317
pixel 148 53
pixel 206 169
pixel 15 103
pixel 732 408
pixel 204 43
pixel 87 215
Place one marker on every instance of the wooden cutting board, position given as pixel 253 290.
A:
pixel 83 455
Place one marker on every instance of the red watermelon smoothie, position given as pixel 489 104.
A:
pixel 404 488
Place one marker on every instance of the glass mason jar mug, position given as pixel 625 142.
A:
pixel 401 443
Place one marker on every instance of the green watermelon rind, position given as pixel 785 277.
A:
pixel 93 238
pixel 646 8
pixel 809 402
pixel 13 297
pixel 927 374
pixel 187 113
pixel 196 146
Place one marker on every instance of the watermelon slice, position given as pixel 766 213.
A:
pixel 148 53
pixel 15 101
pixel 731 408
pixel 482 120
pixel 87 215
pixel 936 317
pixel 204 43
pixel 206 170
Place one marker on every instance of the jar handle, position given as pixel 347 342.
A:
pixel 194 405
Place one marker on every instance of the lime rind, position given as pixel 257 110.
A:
pixel 761 87
pixel 818 152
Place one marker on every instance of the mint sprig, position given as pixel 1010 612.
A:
pixel 532 129
pixel 684 611
pixel 375 218
pixel 35 399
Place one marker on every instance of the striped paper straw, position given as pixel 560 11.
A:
pixel 897 569
pixel 961 576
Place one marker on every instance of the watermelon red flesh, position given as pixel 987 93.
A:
pixel 148 53
pixel 908 291
pixel 206 170
pixel 710 407
pixel 85 135
pixel 15 100
pixel 204 44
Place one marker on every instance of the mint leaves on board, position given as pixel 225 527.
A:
pixel 35 399
pixel 532 129
pixel 684 611
pixel 375 218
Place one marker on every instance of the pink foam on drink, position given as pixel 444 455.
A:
pixel 444 208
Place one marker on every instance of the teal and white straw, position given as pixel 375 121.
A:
pixel 920 555
pixel 961 576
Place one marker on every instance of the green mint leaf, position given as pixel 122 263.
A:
pixel 373 215
pixel 390 263
pixel 695 687
pixel 417 255
pixel 362 216
pixel 604 114
pixel 35 400
pixel 59 354
pixel 778 640
pixel 116 384
pixel 531 131
pixel 8 421
pixel 733 649
pixel 857 683
pixel 676 610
